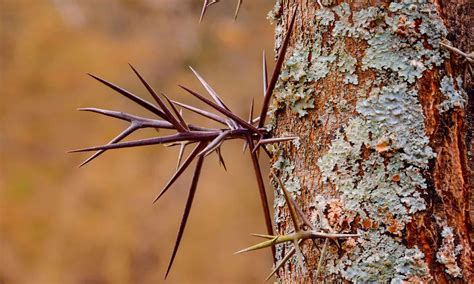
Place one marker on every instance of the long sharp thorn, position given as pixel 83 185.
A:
pixel 160 102
pixel 224 111
pixel 301 214
pixel 121 136
pixel 145 122
pixel 149 141
pixel 239 3
pixel 288 202
pixel 182 147
pixel 202 112
pixel 214 144
pixel 299 256
pixel 268 237
pixel 321 258
pixel 143 103
pixel 265 73
pixel 209 89
pixel 261 190
pixel 211 92
pixel 179 114
pixel 282 262
pixel 181 169
pixel 221 159
pixel 276 72
pixel 265 244
pixel 251 110
pixel 187 209
pixel 203 11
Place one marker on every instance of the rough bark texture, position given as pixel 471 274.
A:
pixel 384 131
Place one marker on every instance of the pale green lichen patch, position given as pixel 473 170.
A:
pixel 453 97
pixel 379 259
pixel 449 252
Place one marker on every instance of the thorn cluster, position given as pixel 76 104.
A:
pixel 206 140
pixel 208 3
pixel 304 230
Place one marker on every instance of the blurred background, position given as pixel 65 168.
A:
pixel 64 224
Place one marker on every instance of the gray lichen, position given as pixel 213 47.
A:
pixel 454 97
pixel 380 259
pixel 448 253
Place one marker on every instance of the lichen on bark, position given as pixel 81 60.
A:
pixel 354 90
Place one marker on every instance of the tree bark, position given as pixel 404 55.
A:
pixel 380 109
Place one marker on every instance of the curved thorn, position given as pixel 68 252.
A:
pixel 143 103
pixel 187 209
pixel 276 72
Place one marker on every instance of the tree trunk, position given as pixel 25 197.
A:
pixel 380 109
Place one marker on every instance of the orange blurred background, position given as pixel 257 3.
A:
pixel 97 224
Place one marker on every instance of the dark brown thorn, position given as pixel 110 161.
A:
pixel 179 114
pixel 224 111
pixel 143 103
pixel 118 138
pixel 202 112
pixel 187 209
pixel 265 73
pixel 221 159
pixel 272 140
pixel 261 190
pixel 239 3
pixel 181 169
pixel 160 102
pixel 267 152
pixel 214 143
pixel 194 136
pixel 287 196
pixel 276 72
